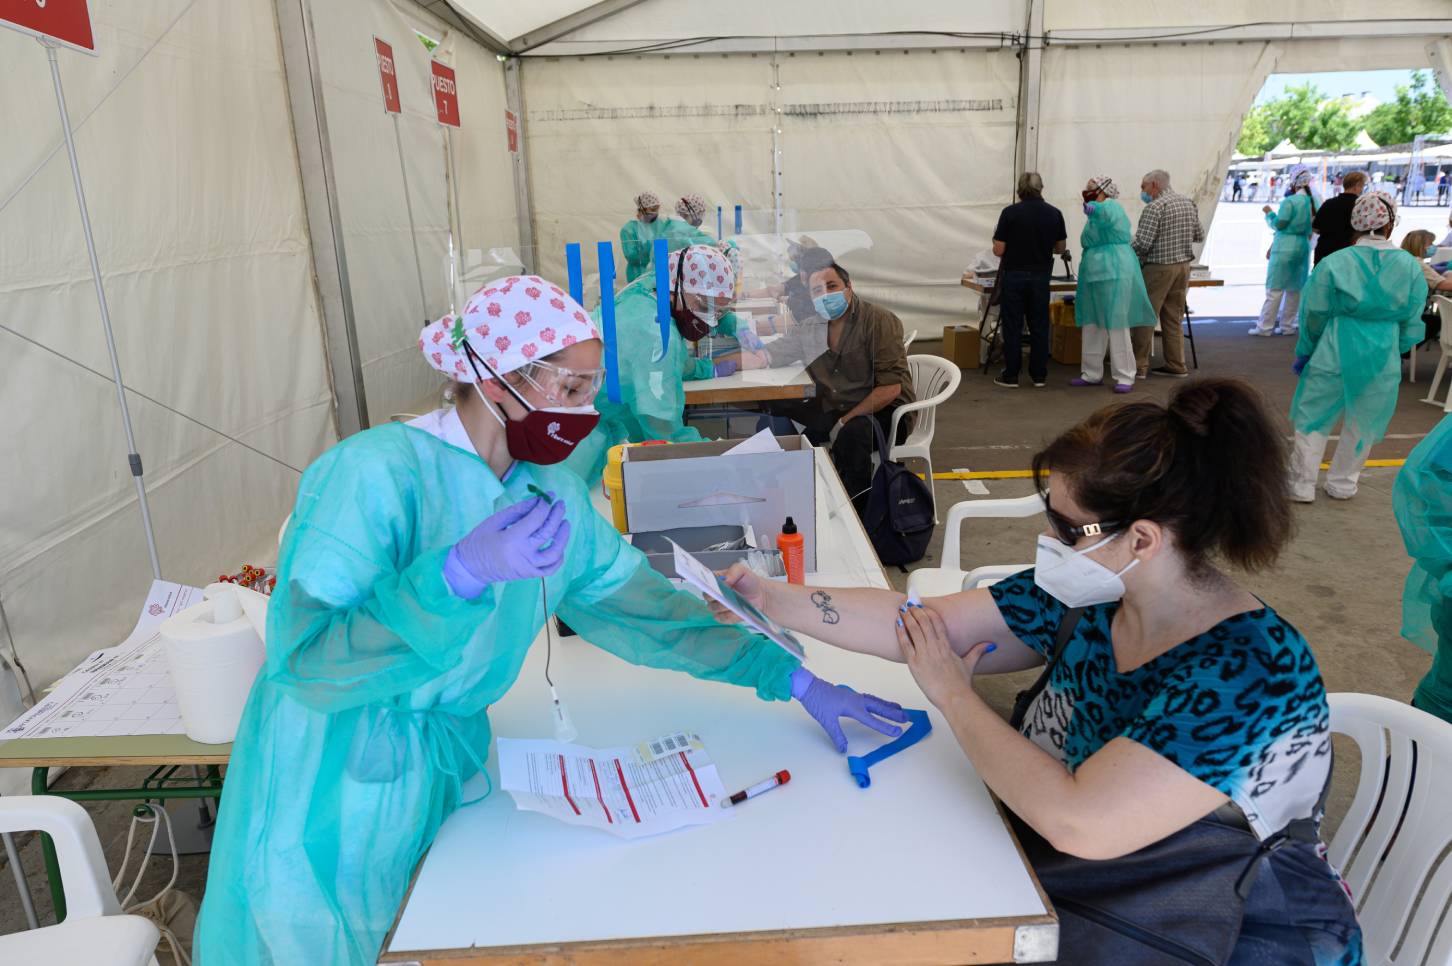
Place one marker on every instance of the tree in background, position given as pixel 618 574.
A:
pixel 1305 116
pixel 1419 109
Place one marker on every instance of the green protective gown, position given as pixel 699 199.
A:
pixel 652 395
pixel 1422 499
pixel 372 708
pixel 1111 292
pixel 1290 252
pixel 1360 311
pixel 637 240
pixel 682 234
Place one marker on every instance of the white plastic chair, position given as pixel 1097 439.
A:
pixel 950 577
pixel 1444 309
pixel 935 379
pixel 1389 846
pixel 94 933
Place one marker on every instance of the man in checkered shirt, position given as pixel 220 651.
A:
pixel 1167 228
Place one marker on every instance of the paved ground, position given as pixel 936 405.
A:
pixel 1339 582
pixel 1235 248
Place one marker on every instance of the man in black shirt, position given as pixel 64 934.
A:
pixel 1333 219
pixel 1028 236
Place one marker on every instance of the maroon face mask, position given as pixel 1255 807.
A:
pixel 691 328
pixel 544 436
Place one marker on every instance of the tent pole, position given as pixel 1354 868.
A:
pixel 1029 85
pixel 423 298
pixel 519 164
pixel 133 458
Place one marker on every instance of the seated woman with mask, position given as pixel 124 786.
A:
pixel 1167 780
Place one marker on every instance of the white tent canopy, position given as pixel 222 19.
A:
pixel 1364 141
pixel 248 196
pixel 1284 150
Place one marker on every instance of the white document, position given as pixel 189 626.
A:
pixel 778 376
pixel 121 690
pixel 701 577
pixel 657 786
pixel 762 442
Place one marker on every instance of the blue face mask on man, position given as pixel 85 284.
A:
pixel 1146 197
pixel 831 305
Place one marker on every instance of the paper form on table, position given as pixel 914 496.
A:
pixel 701 577
pixel 119 690
pixel 762 442
pixel 657 786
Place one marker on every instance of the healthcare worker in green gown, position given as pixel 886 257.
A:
pixel 1110 298
pixel 652 395
pixel 1422 499
pixel 686 230
pixel 409 590
pixel 1362 309
pixel 1289 261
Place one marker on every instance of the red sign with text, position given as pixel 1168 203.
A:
pixel 511 127
pixel 66 22
pixel 446 93
pixel 388 76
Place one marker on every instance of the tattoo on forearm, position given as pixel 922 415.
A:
pixel 823 602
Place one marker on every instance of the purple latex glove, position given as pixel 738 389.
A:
pixel 749 340
pixel 827 703
pixel 1300 364
pixel 725 367
pixel 520 542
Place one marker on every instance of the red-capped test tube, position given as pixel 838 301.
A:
pixel 760 788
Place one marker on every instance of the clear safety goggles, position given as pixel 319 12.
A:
pixel 563 387
pixel 708 308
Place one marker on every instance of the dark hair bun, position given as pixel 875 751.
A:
pixel 1211 467
pixel 1193 406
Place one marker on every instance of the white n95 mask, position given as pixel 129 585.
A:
pixel 1073 579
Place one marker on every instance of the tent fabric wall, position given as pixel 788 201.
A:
pixel 601 130
pixel 1125 110
pixel 667 20
pixel 913 148
pixel 1126 14
pixel 183 132
pixel 370 187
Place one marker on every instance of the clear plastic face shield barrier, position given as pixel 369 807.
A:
pixel 773 287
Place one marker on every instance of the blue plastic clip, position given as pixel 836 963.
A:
pixel 575 270
pixel 662 261
pixel 918 728
pixel 605 254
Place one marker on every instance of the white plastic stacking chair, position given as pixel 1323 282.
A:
pixel 950 577
pixel 1390 845
pixel 94 933
pixel 1444 309
pixel 935 379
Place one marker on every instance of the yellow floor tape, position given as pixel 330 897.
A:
pixel 1028 474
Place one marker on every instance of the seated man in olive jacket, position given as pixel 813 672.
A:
pixel 858 362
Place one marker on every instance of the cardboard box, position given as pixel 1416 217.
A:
pixel 961 346
pixel 1065 344
pixel 695 485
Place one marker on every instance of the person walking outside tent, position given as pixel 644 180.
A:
pixel 1028 236
pixel 1332 223
pixel 1168 229
pixel 1289 258
pixel 1110 300
pixel 1422 501
pixel 1238 187
pixel 1361 310
pixel 421 562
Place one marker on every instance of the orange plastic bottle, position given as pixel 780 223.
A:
pixel 793 552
